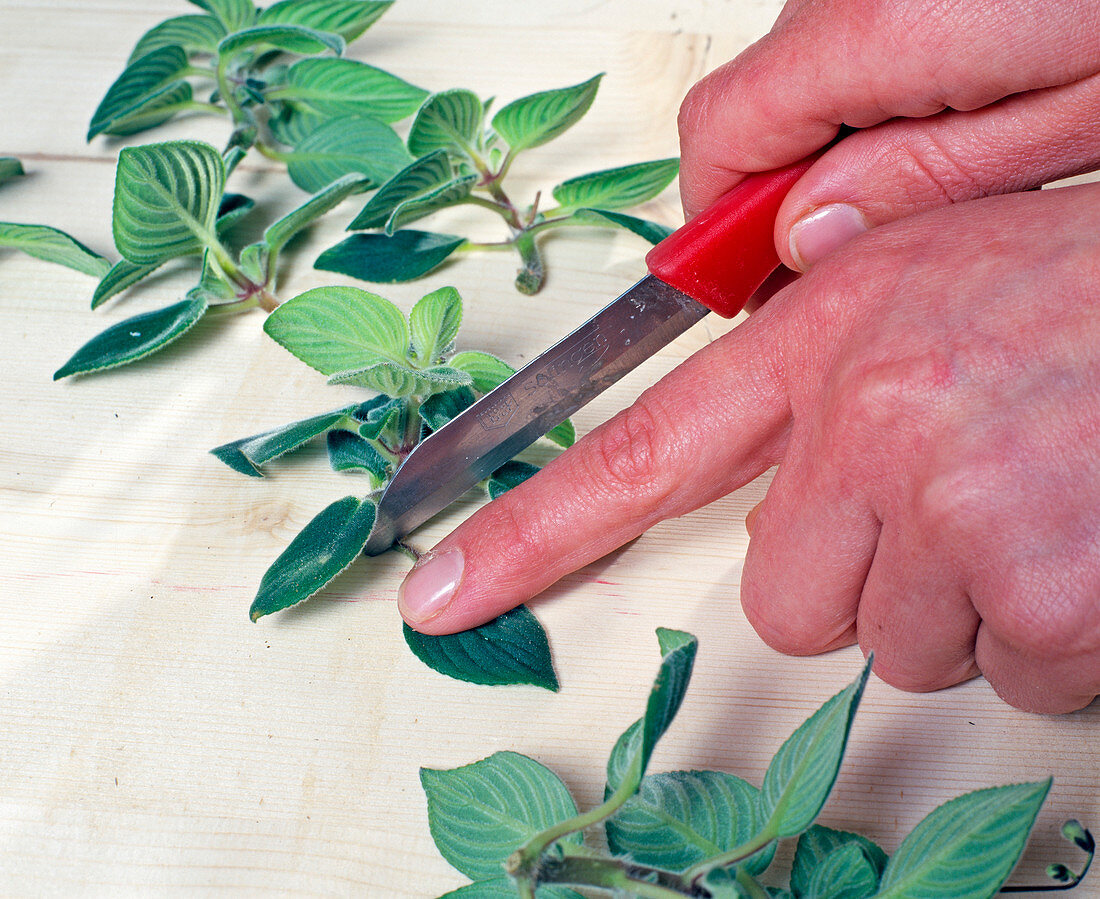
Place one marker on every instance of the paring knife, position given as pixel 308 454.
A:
pixel 714 263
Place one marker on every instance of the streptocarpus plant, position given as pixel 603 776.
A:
pixel 322 106
pixel 461 158
pixel 44 242
pixel 510 825
pixel 419 383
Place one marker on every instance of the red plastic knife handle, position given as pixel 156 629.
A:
pixel 724 254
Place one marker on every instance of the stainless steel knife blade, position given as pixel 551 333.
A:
pixel 537 398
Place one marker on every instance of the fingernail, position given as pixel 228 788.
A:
pixel 815 236
pixel 429 587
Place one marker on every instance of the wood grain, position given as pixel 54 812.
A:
pixel 153 740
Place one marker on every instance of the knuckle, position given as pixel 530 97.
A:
pixel 928 167
pixel 631 453
pixel 792 628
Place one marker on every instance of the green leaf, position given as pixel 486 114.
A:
pixel 347 18
pixel 231 209
pixel 350 452
pixel 343 87
pixel 538 118
pixel 480 813
pixel 134 339
pixel 440 408
pixel 680 818
pixel 505 888
pixel 194 33
pixel 328 198
pixel 967 847
pixel 389 259
pixel 154 110
pixel 10 167
pixel 343 146
pixel 166 200
pixel 291 125
pixel 817 843
pixel 285 38
pixel 509 475
pixel 233 14
pixel 453 191
pixel 846 873
pixel 337 329
pixel 678 649
pixel 450 120
pixel 381 414
pixel 564 435
pixel 647 230
pixel 141 81
pixel 423 176
pixel 434 322
pixel 324 548
pixel 397 380
pixel 249 454
pixel 803 771
pixel 52 245
pixel 511 649
pixel 487 370
pixel 618 188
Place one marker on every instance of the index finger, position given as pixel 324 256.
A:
pixel 660 458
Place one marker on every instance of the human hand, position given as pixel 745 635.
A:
pixel 954 101
pixel 797 384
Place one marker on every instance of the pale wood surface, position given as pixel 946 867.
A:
pixel 152 739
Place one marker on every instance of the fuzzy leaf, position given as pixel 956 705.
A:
pixel 450 120
pixel 54 246
pixel 135 338
pixel 10 167
pixel 434 322
pixel 538 118
pixel 350 452
pixel 505 888
pixel 803 771
pixel 509 475
pixel 680 818
pixel 343 87
pixel 440 408
pixel 194 33
pixel 324 548
pixel 336 329
pixel 347 18
pixel 647 230
pixel 423 176
pixel 339 147
pixel 291 125
pixel 155 110
pixel 285 38
pixel 480 813
pixel 380 414
pixel 396 380
pixel 447 194
pixel 511 649
pixel 967 847
pixel 249 454
pixel 487 370
pixel 817 843
pixel 166 200
pixel 618 188
pixel 233 14
pixel 389 259
pixel 139 82
pixel 328 198
pixel 845 873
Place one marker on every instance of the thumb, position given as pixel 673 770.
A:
pixel 711 425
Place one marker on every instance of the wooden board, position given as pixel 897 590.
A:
pixel 154 740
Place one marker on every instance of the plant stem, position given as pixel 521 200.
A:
pixel 753 888
pixel 610 874
pixel 532 275
pixel 738 853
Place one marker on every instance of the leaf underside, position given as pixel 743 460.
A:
pixel 382 259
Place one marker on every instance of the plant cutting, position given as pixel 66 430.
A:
pixel 510 825
pixel 44 242
pixel 463 158
pixel 419 383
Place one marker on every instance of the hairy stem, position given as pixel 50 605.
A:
pixel 532 275
pixel 737 854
